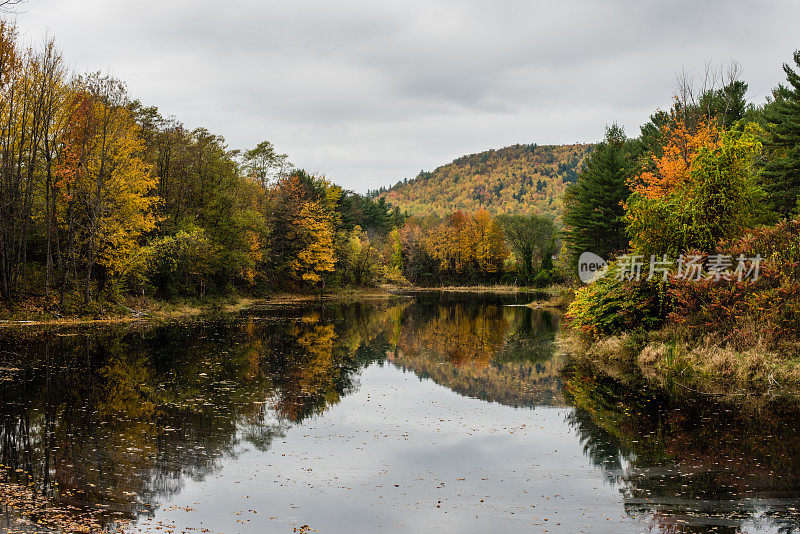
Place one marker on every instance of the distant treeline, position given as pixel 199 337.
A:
pixel 465 248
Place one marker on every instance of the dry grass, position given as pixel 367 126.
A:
pixel 613 356
pixel 704 366
pixel 342 295
pixel 651 354
pixel 711 367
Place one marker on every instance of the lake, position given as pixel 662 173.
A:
pixel 427 414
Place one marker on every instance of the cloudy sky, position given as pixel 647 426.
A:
pixel 368 92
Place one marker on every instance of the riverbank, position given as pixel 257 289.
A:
pixel 144 309
pixel 554 296
pixel 489 290
pixel 716 340
pixel 559 297
pixel 665 360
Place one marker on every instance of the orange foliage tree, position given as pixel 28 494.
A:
pixel 700 187
pixel 671 168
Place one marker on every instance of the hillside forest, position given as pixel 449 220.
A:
pixel 520 179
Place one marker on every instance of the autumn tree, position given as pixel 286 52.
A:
pixel 489 243
pixel 50 76
pixel 668 166
pixel 263 163
pixel 699 200
pixel 106 185
pixel 303 222
pixel 313 231
pixel 32 105
pixel 184 264
pixel 358 259
pixel 467 245
pixel 16 189
pixel 419 265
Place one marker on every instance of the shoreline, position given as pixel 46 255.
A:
pixel 670 360
pixel 747 378
pixel 488 290
pixel 143 310
pixel 157 310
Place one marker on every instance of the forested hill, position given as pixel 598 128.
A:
pixel 518 179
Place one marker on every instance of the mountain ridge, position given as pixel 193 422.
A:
pixel 521 178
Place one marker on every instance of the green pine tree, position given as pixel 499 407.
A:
pixel 728 104
pixel 782 171
pixel 593 212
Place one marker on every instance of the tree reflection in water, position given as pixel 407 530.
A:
pixel 113 421
pixel 686 464
pixel 485 351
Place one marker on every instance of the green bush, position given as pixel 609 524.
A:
pixel 611 306
pixel 543 278
pixel 185 264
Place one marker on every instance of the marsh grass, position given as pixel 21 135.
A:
pixel 700 364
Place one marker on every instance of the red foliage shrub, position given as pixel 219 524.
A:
pixel 748 312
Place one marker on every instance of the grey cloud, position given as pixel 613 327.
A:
pixel 370 92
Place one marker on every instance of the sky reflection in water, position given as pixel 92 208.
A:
pixel 435 414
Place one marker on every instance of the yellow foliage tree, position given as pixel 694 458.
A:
pixel 105 185
pixel 314 230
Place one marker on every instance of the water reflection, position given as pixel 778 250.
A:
pixel 111 423
pixel 686 464
pixel 118 417
pixel 491 352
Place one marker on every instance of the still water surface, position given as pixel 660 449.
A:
pixel 432 414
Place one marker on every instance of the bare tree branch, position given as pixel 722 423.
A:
pixel 6 6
